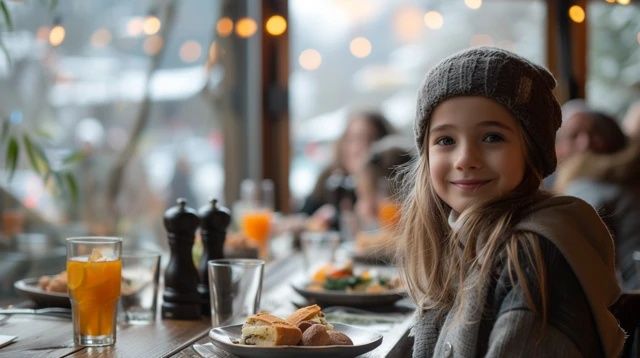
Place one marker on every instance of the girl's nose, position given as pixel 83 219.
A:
pixel 468 157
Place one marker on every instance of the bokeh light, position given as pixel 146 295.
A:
pixel 408 23
pixel 153 44
pixel 190 51
pixel 135 26
pixel 473 4
pixel 576 13
pixel 151 25
pixel 433 20
pixel 360 47
pixel 224 26
pixel 276 25
pixel 56 35
pixel 246 27
pixel 310 59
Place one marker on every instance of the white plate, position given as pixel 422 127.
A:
pixel 29 287
pixel 363 341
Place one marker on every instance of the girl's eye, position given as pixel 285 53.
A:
pixel 493 138
pixel 445 141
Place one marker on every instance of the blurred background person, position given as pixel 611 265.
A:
pixel 376 182
pixel 584 129
pixel 610 182
pixel 377 188
pixel 334 186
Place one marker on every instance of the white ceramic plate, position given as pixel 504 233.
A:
pixel 29 287
pixel 363 341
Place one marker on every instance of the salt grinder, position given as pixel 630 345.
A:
pixel 181 299
pixel 214 220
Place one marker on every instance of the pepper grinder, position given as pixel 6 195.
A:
pixel 180 298
pixel 214 220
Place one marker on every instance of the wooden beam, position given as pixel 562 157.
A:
pixel 276 151
pixel 567 49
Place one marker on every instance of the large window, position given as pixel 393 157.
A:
pixel 614 56
pixel 149 92
pixel 350 54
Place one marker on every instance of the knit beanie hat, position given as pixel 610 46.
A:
pixel 521 86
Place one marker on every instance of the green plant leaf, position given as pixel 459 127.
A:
pixel 6 14
pixel 5 129
pixel 38 161
pixel 53 4
pixel 43 133
pixel 13 153
pixel 72 185
pixel 73 158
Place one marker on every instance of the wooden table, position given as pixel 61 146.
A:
pixel 41 336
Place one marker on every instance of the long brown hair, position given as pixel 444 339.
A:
pixel 442 266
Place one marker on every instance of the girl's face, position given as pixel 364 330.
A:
pixel 476 151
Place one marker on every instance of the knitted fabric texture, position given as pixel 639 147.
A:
pixel 521 86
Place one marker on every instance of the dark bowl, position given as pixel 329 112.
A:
pixel 353 299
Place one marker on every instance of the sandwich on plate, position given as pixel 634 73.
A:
pixel 264 329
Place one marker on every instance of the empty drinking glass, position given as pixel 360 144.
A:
pixel 235 286
pixel 140 276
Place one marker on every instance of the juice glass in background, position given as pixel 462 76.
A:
pixel 388 213
pixel 256 213
pixel 94 272
pixel 256 225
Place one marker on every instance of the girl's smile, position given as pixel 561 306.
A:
pixel 476 151
pixel 470 184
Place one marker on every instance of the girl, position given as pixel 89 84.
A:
pixel 497 267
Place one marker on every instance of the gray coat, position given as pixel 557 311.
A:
pixel 500 324
pixel 581 286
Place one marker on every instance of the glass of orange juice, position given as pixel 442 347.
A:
pixel 256 213
pixel 94 272
pixel 256 226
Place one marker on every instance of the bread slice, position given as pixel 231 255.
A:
pixel 309 313
pixel 268 330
